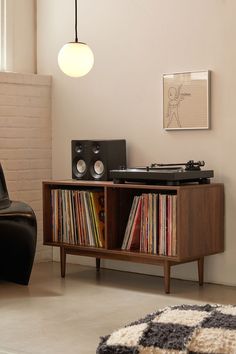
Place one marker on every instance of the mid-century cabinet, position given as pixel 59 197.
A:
pixel 199 223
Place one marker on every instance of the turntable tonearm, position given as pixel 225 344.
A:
pixel 167 174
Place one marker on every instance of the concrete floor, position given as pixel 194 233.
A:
pixel 67 316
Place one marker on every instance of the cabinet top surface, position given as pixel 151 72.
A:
pixel 72 182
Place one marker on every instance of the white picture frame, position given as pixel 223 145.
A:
pixel 186 100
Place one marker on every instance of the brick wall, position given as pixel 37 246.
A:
pixel 26 141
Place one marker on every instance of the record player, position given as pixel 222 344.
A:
pixel 164 174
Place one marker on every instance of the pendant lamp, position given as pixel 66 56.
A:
pixel 75 59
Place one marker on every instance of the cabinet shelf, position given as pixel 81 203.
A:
pixel 199 223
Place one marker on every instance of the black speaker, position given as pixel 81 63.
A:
pixel 93 159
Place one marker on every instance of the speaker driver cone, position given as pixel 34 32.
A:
pixel 81 166
pixel 99 167
pixel 78 148
pixel 96 148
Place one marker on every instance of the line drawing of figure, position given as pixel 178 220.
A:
pixel 175 97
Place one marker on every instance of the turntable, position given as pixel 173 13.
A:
pixel 164 174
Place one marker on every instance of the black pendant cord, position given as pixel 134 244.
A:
pixel 76 34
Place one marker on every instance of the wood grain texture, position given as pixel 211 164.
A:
pixel 200 223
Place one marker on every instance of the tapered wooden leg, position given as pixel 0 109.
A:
pixel 63 261
pixel 200 262
pixel 98 264
pixel 167 276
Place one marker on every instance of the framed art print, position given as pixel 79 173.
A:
pixel 186 99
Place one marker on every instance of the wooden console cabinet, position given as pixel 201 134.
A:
pixel 199 223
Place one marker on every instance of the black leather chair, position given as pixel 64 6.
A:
pixel 18 236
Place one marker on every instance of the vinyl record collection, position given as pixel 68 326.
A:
pixel 151 226
pixel 78 217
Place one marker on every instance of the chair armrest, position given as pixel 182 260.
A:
pixel 17 209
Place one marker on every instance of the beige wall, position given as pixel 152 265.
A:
pixel 134 43
pixel 21 36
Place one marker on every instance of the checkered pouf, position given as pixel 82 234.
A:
pixel 185 329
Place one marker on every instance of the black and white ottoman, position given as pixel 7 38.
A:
pixel 184 329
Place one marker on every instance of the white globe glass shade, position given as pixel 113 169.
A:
pixel 75 59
